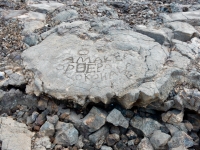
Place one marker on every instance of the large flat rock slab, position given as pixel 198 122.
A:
pixel 72 66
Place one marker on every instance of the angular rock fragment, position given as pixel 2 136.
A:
pixel 116 118
pixel 101 134
pixel 95 119
pixel 106 148
pixel 46 7
pixel 183 31
pixel 47 129
pixel 111 139
pixel 159 139
pixel 173 117
pixel 191 17
pixel 180 138
pixel 66 134
pixel 145 144
pixel 146 125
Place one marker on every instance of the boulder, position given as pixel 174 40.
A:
pixel 159 139
pixel 116 118
pixel 98 69
pixel 95 119
pixel 14 135
pixel 66 134
pixel 146 125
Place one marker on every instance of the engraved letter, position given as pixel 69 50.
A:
pixel 81 67
pixel 91 68
pixel 69 67
pixel 99 66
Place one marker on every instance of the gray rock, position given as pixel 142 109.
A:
pixel 97 83
pixel 145 144
pixel 111 139
pixel 116 118
pixel 146 125
pixel 66 15
pixel 108 11
pixel 31 39
pixel 66 134
pixel 182 31
pixel 174 116
pixel 2 75
pixel 53 119
pixel 180 138
pixel 191 17
pixel 159 139
pixel 159 35
pixel 172 128
pixel 101 134
pixel 47 129
pixel 14 135
pixel 80 143
pixel 42 142
pixel 178 60
pixel 190 99
pixel 46 7
pixel 179 148
pixel 106 148
pixel 95 119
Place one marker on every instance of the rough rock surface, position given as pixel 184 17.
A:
pixel 111 65
pixel 14 135
pixel 146 125
pixel 116 118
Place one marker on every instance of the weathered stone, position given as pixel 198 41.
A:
pixel 174 116
pixel 2 75
pixel 66 15
pixel 66 134
pixel 179 148
pixel 42 142
pixel 45 7
pixel 101 134
pixel 12 98
pixel 42 104
pixel 40 120
pixel 53 119
pixel 14 135
pixel 114 129
pixel 131 134
pixel 47 129
pixel 159 35
pixel 116 118
pixel 195 121
pixel 180 138
pixel 111 139
pixel 182 31
pixel 31 39
pixel 191 17
pixel 146 125
pixel 95 119
pixel 145 144
pixel 106 148
pixel 80 143
pixel 101 80
pixel 159 139
pixel 172 128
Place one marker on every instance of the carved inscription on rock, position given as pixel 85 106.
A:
pixel 87 67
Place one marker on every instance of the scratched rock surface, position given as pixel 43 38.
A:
pixel 74 65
